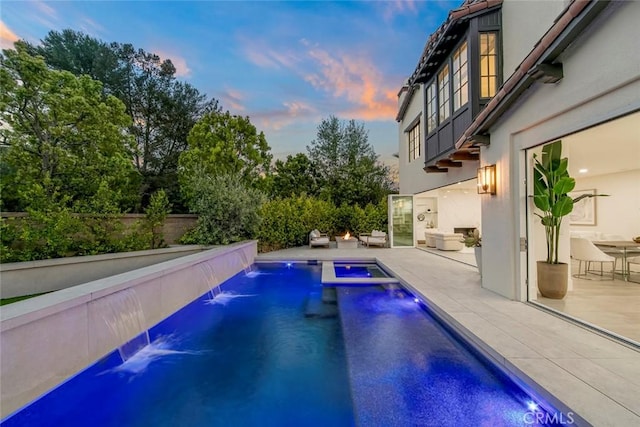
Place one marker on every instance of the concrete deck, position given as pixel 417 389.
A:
pixel 594 376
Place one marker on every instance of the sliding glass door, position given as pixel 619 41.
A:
pixel 401 221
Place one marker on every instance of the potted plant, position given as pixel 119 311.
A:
pixel 473 240
pixel 551 185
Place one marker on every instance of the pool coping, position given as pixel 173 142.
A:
pixel 592 376
pixel 329 277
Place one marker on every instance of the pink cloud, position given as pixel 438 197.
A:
pixel 353 78
pixel 232 100
pixel 7 37
pixel 45 9
pixel 46 14
pixel 182 69
pixel 266 57
pixel 396 7
pixel 291 112
pixel 356 79
pixel 90 26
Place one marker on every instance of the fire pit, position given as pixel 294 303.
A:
pixel 347 241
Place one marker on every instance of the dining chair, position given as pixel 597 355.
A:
pixel 632 261
pixel 583 250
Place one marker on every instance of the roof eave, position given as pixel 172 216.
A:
pixel 565 30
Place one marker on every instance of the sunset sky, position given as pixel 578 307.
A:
pixel 286 65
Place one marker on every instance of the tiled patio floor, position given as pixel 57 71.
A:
pixel 596 377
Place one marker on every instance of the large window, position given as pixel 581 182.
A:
pixel 414 142
pixel 432 108
pixel 460 77
pixel 443 93
pixel 488 65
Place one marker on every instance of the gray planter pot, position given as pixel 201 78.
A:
pixel 478 253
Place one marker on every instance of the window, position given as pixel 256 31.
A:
pixel 460 77
pixel 488 65
pixel 443 93
pixel 414 142
pixel 432 109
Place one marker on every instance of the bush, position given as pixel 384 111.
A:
pixel 40 235
pixel 58 233
pixel 287 222
pixel 227 209
pixel 155 214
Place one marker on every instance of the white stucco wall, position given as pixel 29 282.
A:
pixel 601 81
pixel 524 22
pixel 412 171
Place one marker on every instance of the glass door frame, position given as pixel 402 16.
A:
pixel 395 214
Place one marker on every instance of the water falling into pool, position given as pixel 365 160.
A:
pixel 123 314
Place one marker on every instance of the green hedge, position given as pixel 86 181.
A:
pixel 56 232
pixel 286 223
pixel 44 235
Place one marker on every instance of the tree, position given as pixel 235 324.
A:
pixel 224 144
pixel 66 142
pixel 81 54
pixel 295 176
pixel 163 110
pixel 227 208
pixel 347 164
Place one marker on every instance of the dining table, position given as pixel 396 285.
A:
pixel 625 245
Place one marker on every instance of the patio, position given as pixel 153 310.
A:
pixel 595 376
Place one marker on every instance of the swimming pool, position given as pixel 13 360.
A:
pixel 253 355
pixel 359 270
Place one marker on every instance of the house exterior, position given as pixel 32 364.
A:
pixel 563 69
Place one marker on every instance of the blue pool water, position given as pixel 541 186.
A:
pixel 358 270
pixel 254 356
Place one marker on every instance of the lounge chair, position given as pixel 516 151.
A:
pixel 316 238
pixel 375 238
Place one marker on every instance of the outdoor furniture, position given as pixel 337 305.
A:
pixel 347 243
pixel 375 238
pixel 627 247
pixel 449 241
pixel 316 238
pixel 585 251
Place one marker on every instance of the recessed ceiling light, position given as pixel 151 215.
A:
pixel 583 170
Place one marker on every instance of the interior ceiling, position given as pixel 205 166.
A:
pixel 607 148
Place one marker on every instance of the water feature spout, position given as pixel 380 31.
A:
pixel 211 279
pixel 249 269
pixel 122 312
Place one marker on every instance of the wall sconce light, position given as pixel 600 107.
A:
pixel 487 179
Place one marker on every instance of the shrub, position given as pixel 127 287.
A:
pixel 287 222
pixel 40 235
pixel 155 215
pixel 227 209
